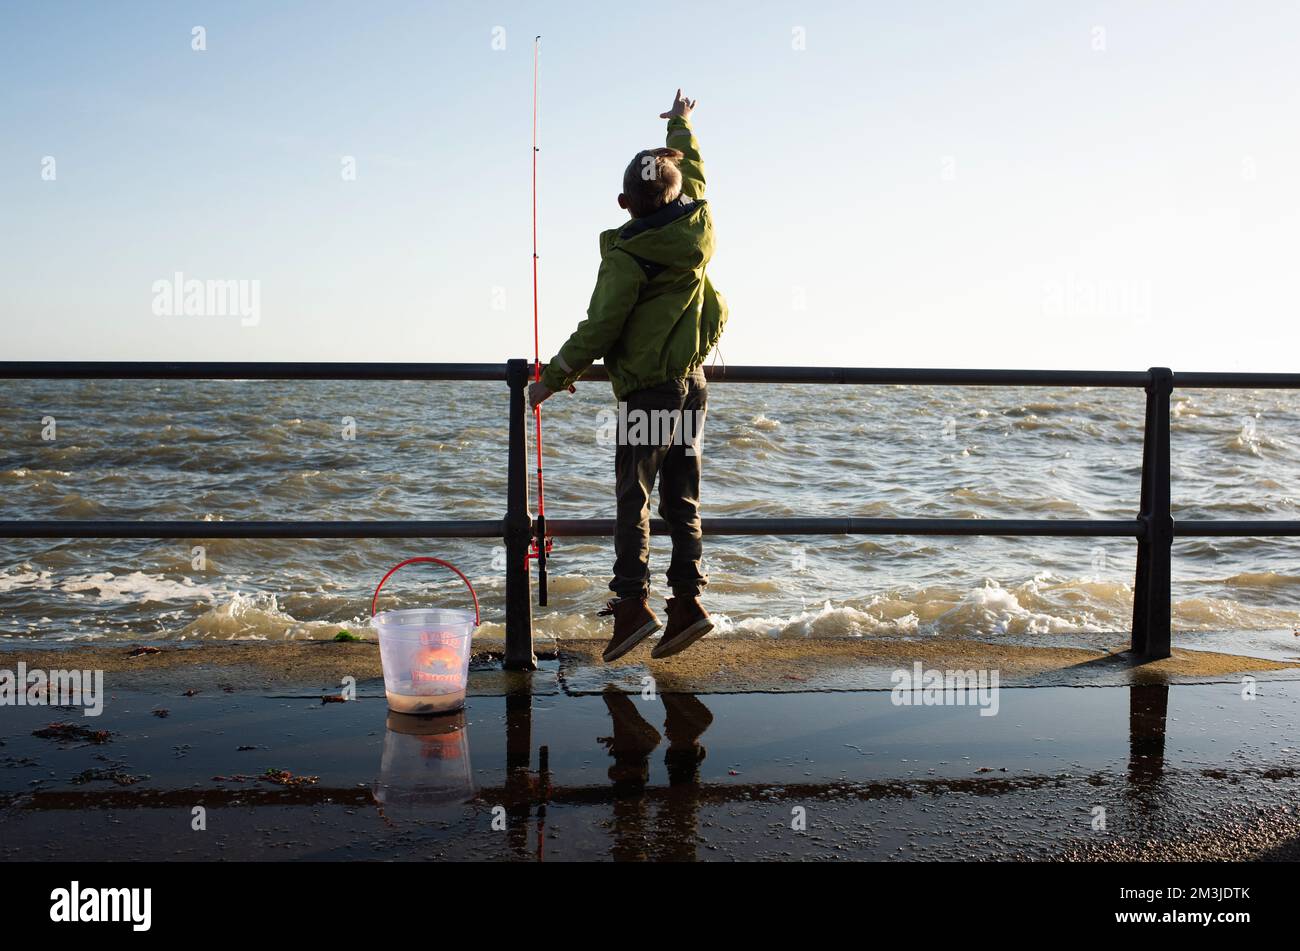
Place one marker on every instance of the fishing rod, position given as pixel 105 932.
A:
pixel 541 545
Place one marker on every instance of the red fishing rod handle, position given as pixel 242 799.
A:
pixel 436 561
pixel 532 548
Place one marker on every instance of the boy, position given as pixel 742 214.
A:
pixel 654 317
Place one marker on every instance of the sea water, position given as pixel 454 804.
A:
pixel 224 450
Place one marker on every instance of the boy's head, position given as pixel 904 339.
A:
pixel 651 181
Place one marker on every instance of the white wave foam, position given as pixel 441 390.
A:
pixel 134 588
pixel 138 587
pixel 993 609
pixel 828 621
pixel 25 578
pixel 259 617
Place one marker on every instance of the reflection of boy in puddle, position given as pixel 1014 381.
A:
pixel 674 833
pixel 634 739
pixel 685 723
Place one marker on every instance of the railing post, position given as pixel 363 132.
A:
pixel 518 530
pixel 1151 586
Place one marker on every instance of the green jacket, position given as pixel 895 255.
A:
pixel 654 315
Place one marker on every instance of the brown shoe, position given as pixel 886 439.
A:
pixel 633 623
pixel 687 623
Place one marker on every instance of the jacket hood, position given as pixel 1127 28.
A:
pixel 678 235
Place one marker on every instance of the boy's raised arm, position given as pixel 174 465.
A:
pixel 612 300
pixel 681 137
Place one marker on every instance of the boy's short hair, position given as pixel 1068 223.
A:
pixel 652 180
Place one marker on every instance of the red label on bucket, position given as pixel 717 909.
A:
pixel 424 677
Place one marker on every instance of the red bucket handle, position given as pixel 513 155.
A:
pixel 436 561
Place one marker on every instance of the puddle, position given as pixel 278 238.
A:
pixel 674 776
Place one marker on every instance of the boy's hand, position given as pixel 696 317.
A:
pixel 537 393
pixel 681 107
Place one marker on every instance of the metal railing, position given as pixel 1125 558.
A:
pixel 1153 526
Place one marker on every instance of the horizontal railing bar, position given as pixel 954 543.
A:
pixel 561 527
pixel 935 376
pixel 1227 528
pixel 911 375
pixel 1247 381
pixel 1119 528
pixel 593 527
pixel 108 370
pixel 93 528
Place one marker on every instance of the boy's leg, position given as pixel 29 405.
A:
pixel 679 504
pixel 637 461
pixel 679 493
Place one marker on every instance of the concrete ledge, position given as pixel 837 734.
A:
pixel 732 666
pixel 722 665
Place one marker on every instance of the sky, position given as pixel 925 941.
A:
pixel 1018 184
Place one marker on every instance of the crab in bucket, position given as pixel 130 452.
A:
pixel 436 662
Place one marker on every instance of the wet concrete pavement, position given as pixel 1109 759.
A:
pixel 1150 770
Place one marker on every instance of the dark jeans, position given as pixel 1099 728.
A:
pixel 659 437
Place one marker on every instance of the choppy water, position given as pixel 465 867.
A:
pixel 257 450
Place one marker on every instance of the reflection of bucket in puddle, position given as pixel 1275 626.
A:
pixel 425 761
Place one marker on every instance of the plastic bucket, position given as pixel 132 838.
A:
pixel 425 651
